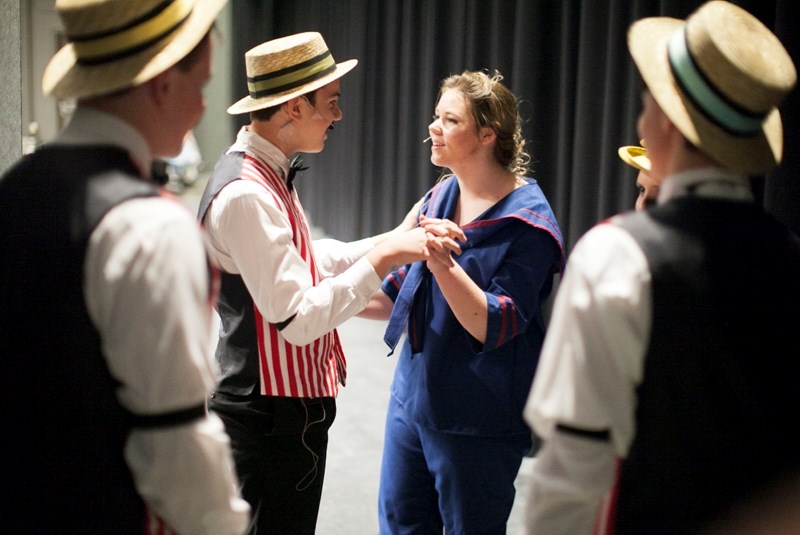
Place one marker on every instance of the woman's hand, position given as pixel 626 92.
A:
pixel 442 235
pixel 466 299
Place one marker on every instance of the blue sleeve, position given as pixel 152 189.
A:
pixel 520 286
pixel 394 281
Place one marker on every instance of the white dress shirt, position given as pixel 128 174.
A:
pixel 250 235
pixel 592 361
pixel 146 289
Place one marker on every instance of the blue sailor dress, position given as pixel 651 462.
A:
pixel 445 379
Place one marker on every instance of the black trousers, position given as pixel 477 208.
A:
pixel 279 448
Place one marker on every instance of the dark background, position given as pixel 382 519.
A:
pixel 566 61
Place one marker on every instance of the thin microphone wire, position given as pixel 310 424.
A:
pixel 312 473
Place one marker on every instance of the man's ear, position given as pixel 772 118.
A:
pixel 292 108
pixel 160 86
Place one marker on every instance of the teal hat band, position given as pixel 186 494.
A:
pixel 704 96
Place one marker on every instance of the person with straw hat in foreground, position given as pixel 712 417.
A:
pixel 646 184
pixel 283 294
pixel 105 299
pixel 669 370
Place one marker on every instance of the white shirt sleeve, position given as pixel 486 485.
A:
pixel 334 256
pixel 251 236
pixel 569 483
pixel 590 366
pixel 147 293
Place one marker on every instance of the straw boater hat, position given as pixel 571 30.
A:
pixel 719 76
pixel 114 44
pixel 635 156
pixel 287 67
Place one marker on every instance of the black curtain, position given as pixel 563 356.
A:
pixel 567 62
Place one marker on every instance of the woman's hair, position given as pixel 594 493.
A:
pixel 493 106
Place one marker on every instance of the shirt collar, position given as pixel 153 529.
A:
pixel 249 141
pixel 89 126
pixel 712 182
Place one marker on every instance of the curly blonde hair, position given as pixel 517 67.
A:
pixel 494 106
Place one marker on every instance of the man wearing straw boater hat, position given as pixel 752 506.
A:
pixel 647 185
pixel 669 371
pixel 282 294
pixel 105 299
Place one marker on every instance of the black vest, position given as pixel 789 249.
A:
pixel 236 353
pixel 717 404
pixel 63 464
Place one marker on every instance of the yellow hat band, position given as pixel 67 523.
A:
pixel 133 37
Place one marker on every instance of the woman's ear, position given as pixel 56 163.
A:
pixel 487 134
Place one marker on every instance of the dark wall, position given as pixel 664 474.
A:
pixel 567 62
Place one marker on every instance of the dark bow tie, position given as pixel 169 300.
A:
pixel 295 166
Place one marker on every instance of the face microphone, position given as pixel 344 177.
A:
pixel 426 139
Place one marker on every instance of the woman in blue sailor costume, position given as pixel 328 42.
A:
pixel 455 436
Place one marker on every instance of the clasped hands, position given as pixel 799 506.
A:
pixel 440 243
pixel 423 238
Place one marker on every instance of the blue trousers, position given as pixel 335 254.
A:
pixel 433 481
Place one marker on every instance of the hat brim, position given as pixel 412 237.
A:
pixel 647 42
pixel 635 157
pixel 65 78
pixel 248 104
